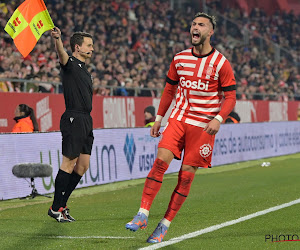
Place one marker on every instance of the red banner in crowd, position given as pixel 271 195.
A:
pixel 116 112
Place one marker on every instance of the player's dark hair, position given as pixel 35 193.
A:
pixel 212 19
pixel 29 112
pixel 77 38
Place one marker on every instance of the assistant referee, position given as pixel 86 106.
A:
pixel 76 123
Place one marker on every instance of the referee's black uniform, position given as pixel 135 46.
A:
pixel 76 124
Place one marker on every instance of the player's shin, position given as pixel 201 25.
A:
pixel 153 183
pixel 179 195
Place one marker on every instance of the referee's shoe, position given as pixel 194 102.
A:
pixel 58 215
pixel 66 212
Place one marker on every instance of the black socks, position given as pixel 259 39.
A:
pixel 61 183
pixel 74 180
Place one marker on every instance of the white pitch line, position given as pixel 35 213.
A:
pixel 216 227
pixel 88 237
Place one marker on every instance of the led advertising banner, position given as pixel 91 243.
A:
pixel 125 154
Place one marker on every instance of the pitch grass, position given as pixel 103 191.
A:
pixel 217 195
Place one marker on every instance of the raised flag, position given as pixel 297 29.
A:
pixel 27 24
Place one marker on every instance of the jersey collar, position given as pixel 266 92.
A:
pixel 201 56
pixel 77 60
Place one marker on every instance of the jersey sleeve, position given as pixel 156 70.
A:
pixel 228 86
pixel 166 98
pixel 67 66
pixel 172 80
pixel 229 103
pixel 226 77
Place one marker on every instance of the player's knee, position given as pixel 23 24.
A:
pixel 68 164
pixel 185 180
pixel 188 168
pixel 159 167
pixel 165 155
pixel 81 168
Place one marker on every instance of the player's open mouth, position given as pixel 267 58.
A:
pixel 196 35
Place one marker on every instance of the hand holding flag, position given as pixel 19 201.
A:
pixel 27 24
pixel 56 33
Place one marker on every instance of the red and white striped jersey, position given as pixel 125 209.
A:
pixel 202 80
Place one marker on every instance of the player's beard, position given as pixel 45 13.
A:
pixel 201 42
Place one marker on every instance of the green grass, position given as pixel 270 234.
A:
pixel 217 195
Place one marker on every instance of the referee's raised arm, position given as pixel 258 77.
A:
pixel 62 54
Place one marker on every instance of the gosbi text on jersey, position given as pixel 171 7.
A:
pixel 202 80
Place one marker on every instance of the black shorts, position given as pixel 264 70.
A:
pixel 77 133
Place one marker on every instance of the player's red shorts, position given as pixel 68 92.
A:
pixel 196 143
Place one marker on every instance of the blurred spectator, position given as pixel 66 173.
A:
pixel 149 92
pixel 25 118
pixel 233 117
pixel 129 87
pixel 33 87
pixel 45 87
pixel 149 113
pixel 160 88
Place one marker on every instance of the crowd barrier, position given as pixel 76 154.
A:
pixel 125 154
pixel 122 112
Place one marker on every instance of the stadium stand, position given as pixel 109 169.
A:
pixel 134 46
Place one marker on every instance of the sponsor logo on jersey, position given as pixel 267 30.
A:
pixel 205 150
pixel 193 84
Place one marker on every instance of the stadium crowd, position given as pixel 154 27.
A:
pixel 135 41
pixel 255 64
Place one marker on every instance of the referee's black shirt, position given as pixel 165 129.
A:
pixel 77 85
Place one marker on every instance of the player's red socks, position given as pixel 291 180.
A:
pixel 180 193
pixel 153 183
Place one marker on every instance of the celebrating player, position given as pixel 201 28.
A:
pixel 200 75
pixel 76 123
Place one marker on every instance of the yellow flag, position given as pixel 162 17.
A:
pixel 27 24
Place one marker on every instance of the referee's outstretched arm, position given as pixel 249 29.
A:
pixel 62 54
